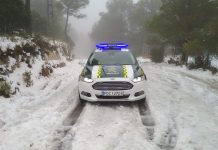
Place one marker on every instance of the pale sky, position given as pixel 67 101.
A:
pixel 92 11
pixel 83 27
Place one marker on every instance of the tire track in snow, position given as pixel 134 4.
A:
pixel 175 93
pixel 169 137
pixel 96 121
pixel 147 118
pixel 74 114
pixel 57 85
pixel 212 83
pixel 65 137
pixel 161 83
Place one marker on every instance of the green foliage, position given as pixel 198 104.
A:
pixel 74 6
pixel 27 78
pixel 157 54
pixel 39 24
pixel 39 19
pixel 62 9
pixel 5 89
pixel 193 47
pixel 191 24
pixel 13 16
pixel 213 70
pixel 204 63
pixel 124 21
pixel 112 26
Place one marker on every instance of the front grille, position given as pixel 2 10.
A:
pixel 112 97
pixel 112 86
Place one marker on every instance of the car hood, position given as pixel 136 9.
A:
pixel 113 71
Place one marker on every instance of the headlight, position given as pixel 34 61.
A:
pixel 85 79
pixel 86 76
pixel 139 79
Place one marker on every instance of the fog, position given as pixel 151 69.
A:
pixel 156 91
pixel 82 27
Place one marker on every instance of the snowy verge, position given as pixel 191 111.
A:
pixel 185 106
pixel 29 119
pixel 27 56
pixel 214 60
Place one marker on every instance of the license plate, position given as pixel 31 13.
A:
pixel 112 93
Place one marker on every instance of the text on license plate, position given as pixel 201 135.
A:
pixel 112 93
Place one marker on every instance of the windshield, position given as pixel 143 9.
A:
pixel 112 58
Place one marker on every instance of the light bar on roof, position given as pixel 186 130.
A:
pixel 111 46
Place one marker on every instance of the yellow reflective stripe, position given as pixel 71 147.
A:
pixel 142 72
pixel 125 71
pixel 83 72
pixel 99 72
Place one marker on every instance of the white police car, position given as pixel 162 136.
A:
pixel 112 73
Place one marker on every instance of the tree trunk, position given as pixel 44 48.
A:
pixel 28 11
pixel 66 24
pixel 68 39
pixel 65 30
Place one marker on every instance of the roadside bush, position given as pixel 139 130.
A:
pixel 60 65
pixel 5 89
pixel 157 54
pixel 27 78
pixel 213 70
pixel 176 61
pixel 204 63
pixel 31 49
pixel 43 45
pixel 46 70
pixel 192 66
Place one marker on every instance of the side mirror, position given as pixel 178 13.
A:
pixel 145 77
pixel 140 61
pixel 82 62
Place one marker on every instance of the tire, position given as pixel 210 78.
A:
pixel 142 101
pixel 143 104
pixel 81 100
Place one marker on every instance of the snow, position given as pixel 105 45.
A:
pixel 214 62
pixel 12 61
pixel 186 100
pixel 190 60
pixel 8 43
pixel 142 60
pixel 31 117
pixel 175 57
pixel 214 59
pixel 110 127
pixel 183 103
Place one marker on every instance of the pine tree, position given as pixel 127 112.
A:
pixel 13 16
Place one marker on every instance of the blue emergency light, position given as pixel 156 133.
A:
pixel 111 46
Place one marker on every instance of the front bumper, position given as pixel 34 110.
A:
pixel 96 95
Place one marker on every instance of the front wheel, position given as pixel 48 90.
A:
pixel 142 101
pixel 143 105
pixel 81 100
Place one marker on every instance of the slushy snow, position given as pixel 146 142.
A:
pixel 183 103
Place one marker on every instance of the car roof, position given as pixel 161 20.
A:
pixel 121 50
pixel 105 47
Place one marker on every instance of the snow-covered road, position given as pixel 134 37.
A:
pixel 108 127
pixel 183 103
